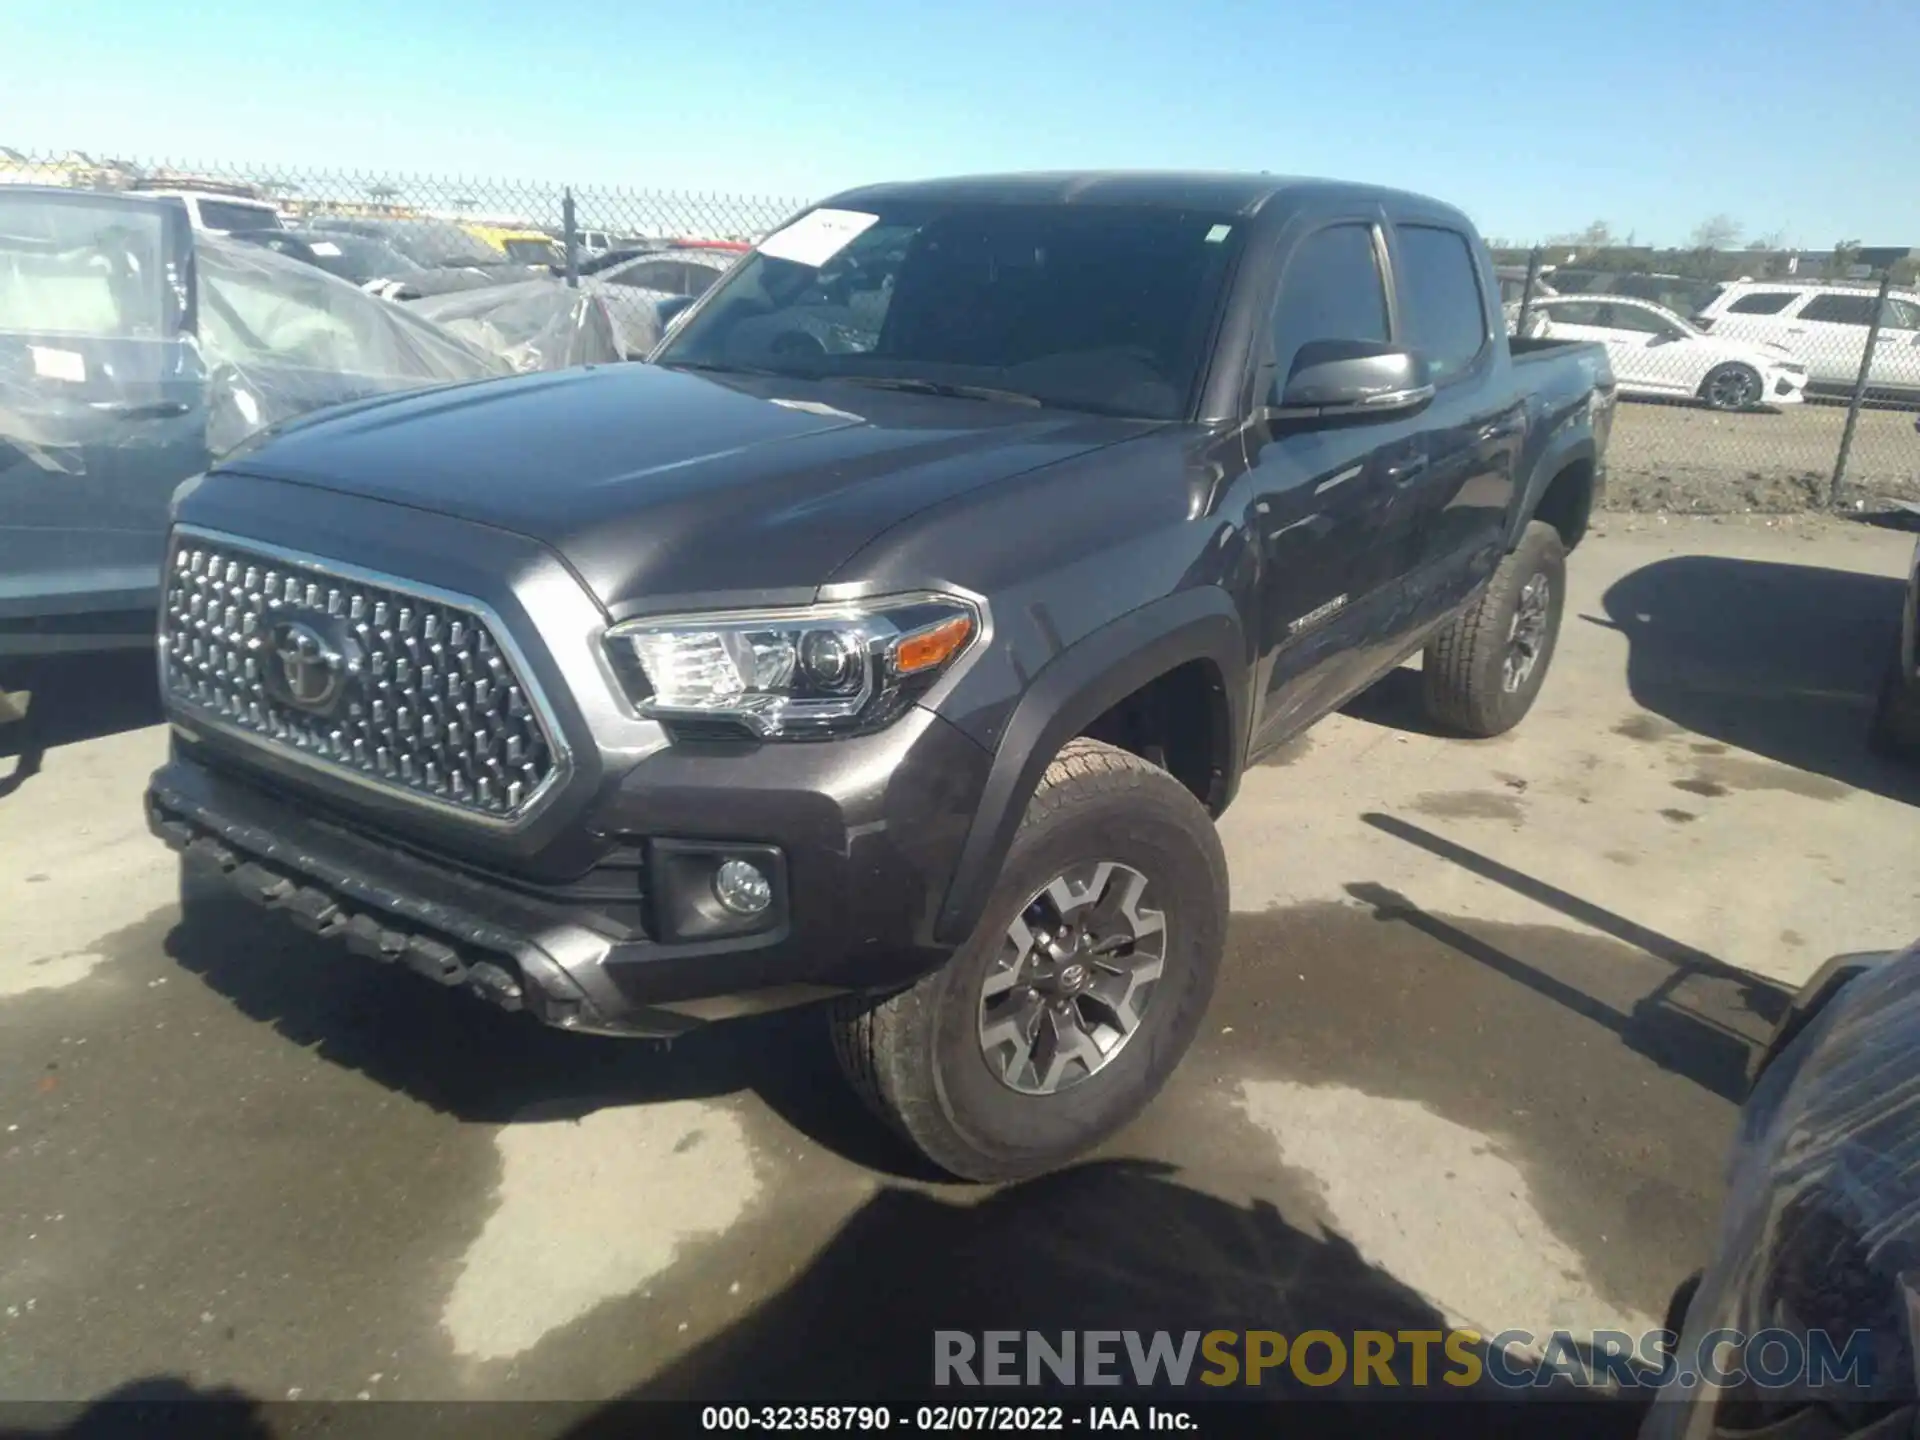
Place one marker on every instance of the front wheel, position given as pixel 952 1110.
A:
pixel 1731 387
pixel 1079 991
pixel 1483 671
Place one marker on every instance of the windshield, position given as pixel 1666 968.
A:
pixel 1101 308
pixel 224 215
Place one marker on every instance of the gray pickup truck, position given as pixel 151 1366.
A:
pixel 893 637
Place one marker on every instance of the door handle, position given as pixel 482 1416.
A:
pixel 1499 430
pixel 1405 472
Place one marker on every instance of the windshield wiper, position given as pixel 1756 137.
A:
pixel 940 387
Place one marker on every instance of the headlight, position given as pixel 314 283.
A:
pixel 813 671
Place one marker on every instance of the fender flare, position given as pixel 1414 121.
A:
pixel 1071 691
pixel 1569 448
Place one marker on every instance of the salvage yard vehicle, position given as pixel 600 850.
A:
pixel 518 244
pixel 1657 354
pixel 1827 327
pixel 448 256
pixel 217 209
pixel 132 351
pixel 645 293
pixel 894 636
pixel 539 324
pixel 1817 1239
pixel 362 260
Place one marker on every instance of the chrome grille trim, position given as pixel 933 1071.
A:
pixel 451 726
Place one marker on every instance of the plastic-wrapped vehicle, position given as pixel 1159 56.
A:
pixel 1812 1294
pixel 535 325
pixel 132 353
pixel 364 260
pixel 450 258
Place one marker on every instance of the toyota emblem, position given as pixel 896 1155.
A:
pixel 312 672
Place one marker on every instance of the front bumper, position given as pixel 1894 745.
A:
pixel 1786 387
pixel 864 835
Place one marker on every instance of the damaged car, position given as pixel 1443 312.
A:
pixel 133 352
pixel 534 325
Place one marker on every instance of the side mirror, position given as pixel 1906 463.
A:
pixel 1341 379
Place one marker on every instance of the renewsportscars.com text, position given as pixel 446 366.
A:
pixel 1511 1359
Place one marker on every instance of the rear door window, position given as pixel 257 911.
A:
pixel 1442 308
pixel 1840 309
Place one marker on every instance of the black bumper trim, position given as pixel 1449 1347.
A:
pixel 294 867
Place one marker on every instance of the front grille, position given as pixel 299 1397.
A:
pixel 399 688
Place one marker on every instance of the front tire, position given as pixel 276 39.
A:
pixel 1077 994
pixel 1731 387
pixel 1483 671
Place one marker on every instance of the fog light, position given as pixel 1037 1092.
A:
pixel 742 888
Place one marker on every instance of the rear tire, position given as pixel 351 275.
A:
pixel 1482 673
pixel 1896 716
pixel 959 1063
pixel 1731 387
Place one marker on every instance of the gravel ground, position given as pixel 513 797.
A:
pixel 1690 460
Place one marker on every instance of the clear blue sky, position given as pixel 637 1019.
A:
pixel 1800 118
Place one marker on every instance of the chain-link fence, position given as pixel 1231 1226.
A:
pixel 1755 379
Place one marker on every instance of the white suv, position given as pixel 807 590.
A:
pixel 1826 326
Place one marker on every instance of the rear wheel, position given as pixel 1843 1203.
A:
pixel 1896 715
pixel 1079 991
pixel 1731 387
pixel 1482 672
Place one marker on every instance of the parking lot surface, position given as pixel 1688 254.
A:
pixel 1474 1058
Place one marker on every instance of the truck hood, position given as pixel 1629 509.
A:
pixel 658 484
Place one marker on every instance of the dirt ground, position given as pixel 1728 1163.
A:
pixel 1475 1057
pixel 1683 459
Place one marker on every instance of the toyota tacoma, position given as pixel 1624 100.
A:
pixel 892 638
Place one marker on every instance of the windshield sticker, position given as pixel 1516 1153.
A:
pixel 325 247
pixel 817 236
pixel 1218 233
pixel 51 364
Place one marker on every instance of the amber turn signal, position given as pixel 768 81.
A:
pixel 933 646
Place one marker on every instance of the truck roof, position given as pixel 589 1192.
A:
pixel 1218 191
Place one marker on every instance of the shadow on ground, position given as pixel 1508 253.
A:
pixel 1660 1025
pixel 1780 660
pixel 1107 1246
pixel 465 1058
pixel 1104 1246
pixel 75 698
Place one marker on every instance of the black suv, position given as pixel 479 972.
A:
pixel 893 637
